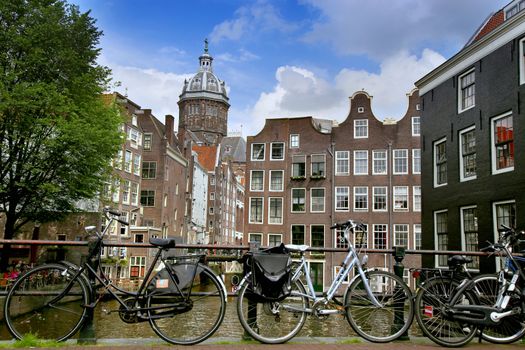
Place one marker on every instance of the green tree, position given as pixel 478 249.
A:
pixel 57 136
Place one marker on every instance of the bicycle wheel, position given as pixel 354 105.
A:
pixel 432 301
pixel 509 329
pixel 272 322
pixel 387 322
pixel 45 302
pixel 192 316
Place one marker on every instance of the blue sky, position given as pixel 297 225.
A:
pixel 283 58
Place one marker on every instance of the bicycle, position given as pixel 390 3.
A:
pixel 487 305
pixel 377 304
pixel 184 302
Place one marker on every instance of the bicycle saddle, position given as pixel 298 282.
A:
pixel 456 260
pixel 162 242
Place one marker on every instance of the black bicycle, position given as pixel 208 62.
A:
pixel 184 302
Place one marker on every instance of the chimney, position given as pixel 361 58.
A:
pixel 170 123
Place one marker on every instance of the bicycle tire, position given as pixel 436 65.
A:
pixel 27 309
pixel 431 302
pixel 273 322
pixel 379 324
pixel 199 320
pixel 509 329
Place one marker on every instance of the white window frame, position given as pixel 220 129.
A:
pixel 418 207
pixel 436 243
pixel 361 194
pixel 434 161
pixel 376 159
pixel 339 156
pixel 250 211
pixel 405 151
pixel 270 181
pixel 295 138
pixel 495 217
pixel 407 198
pixel 126 192
pixel 312 202
pixel 356 158
pixel 340 209
pixel 396 233
pixel 312 164
pixel 414 151
pixel 365 125
pixel 414 118
pixel 374 230
pixel 274 235
pixel 251 180
pixel 271 151
pixel 493 146
pixel 460 91
pixel 374 198
pixel 291 232
pixel 292 197
pixel 463 240
pixel 324 235
pixel 416 228
pixel 264 152
pixel 128 163
pixel 255 234
pixel 462 176
pixel 269 210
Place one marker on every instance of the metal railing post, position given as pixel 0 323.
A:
pixel 87 334
pixel 399 314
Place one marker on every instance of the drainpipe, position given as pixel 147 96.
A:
pixel 391 203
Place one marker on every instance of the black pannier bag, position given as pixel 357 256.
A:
pixel 161 283
pixel 271 273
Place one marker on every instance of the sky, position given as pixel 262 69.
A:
pixel 282 58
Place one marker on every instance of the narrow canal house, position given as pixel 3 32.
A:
pixel 304 174
pixel 473 165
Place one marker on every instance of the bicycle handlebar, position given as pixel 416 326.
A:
pixel 350 222
pixel 116 215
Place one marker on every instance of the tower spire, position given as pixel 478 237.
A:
pixel 206 45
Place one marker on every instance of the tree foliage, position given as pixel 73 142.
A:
pixel 57 137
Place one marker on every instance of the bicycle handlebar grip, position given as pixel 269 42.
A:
pixel 123 222
pixel 335 226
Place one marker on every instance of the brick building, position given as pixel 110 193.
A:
pixel 304 174
pixel 472 159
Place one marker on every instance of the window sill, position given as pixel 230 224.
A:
pixel 317 177
pixel 298 177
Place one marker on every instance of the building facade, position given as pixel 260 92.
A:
pixel 472 159
pixel 304 174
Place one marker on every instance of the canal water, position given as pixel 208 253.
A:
pixel 109 326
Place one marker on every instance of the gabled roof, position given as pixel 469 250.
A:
pixel 234 149
pixel 207 156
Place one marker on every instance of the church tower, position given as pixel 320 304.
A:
pixel 204 103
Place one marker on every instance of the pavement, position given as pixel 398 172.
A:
pixel 298 343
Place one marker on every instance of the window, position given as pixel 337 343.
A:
pixel 416 126
pixel 379 198
pixel 467 154
pixel 255 238
pixel 298 234
pixel 440 163
pixel 257 180
pixel 276 180
pixel 341 198
pixel 469 233
pixel 134 193
pixel 380 236
pixel 275 215
pixel 400 198
pixel 137 266
pixel 416 161
pixel 149 170
pixel 274 239
pixel 147 198
pixel 504 214
pixel 417 236
pixel 361 238
pixel 299 166
pixel 212 196
pixel 127 161
pixel 401 235
pixel 318 163
pixel 258 151
pixel 361 198
pixel 340 240
pixel 298 200
pixel 511 12
pixel 416 198
pixel 317 235
pixel 126 187
pixel 400 161
pixel 136 164
pixel 441 232
pixel 502 144
pixel 212 180
pixel 379 161
pixel 360 128
pixel 147 141
pixel 346 280
pixel 360 109
pixel 317 200
pixel 139 238
pixel 211 211
pixel 294 141
pixel 116 190
pixel 522 61
pixel 466 91
pixel 360 162
pixel 342 163
pixel 277 151
pixel 256 211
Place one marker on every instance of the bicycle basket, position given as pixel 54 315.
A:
pixel 271 273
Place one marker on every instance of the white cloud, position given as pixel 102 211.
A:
pixel 242 56
pixel 250 19
pixel 300 93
